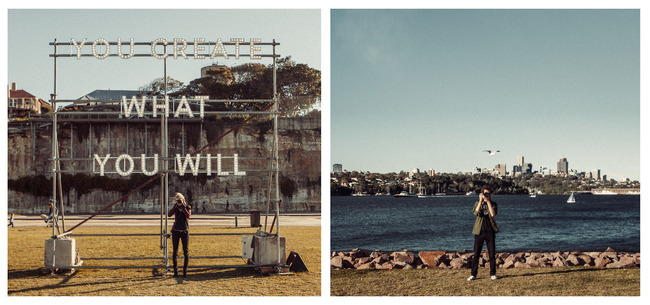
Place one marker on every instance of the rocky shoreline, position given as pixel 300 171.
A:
pixel 405 259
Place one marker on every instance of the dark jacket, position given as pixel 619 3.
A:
pixel 478 224
pixel 181 217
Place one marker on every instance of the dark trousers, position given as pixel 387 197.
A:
pixel 487 237
pixel 185 238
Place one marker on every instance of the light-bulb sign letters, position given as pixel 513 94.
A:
pixel 196 48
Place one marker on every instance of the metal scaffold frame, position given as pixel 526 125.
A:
pixel 58 211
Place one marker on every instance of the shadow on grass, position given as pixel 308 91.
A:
pixel 62 284
pixel 194 275
pixel 208 274
pixel 549 272
pixel 21 274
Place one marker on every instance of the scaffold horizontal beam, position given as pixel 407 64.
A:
pixel 158 234
pixel 114 102
pixel 147 258
pixel 158 267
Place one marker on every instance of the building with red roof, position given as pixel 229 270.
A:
pixel 22 103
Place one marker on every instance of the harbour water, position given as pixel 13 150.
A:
pixel 544 223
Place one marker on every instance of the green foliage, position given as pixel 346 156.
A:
pixel 373 183
pixel 298 86
pixel 157 86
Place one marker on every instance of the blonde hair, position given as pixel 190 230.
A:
pixel 180 197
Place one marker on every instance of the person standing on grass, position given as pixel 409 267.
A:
pixel 485 229
pixel 180 231
pixel 11 220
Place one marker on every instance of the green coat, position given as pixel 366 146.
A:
pixel 479 220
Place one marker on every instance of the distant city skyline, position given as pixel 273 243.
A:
pixel 435 88
pixel 541 169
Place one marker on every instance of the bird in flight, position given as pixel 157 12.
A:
pixel 492 152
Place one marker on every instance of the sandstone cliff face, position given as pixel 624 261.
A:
pixel 299 150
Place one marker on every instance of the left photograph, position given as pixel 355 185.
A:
pixel 164 153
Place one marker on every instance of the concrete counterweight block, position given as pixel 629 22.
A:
pixel 60 252
pixel 265 250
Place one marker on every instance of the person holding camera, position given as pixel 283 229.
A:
pixel 485 228
pixel 180 230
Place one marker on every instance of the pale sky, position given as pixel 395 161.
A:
pixel 30 32
pixel 434 88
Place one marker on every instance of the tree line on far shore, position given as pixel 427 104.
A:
pixel 348 183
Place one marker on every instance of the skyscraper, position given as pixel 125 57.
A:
pixel 520 160
pixel 563 167
pixel 595 174
pixel 500 169
pixel 337 168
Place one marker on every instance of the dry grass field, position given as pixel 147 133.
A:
pixel 26 250
pixel 556 281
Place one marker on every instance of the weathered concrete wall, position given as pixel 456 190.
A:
pixel 299 151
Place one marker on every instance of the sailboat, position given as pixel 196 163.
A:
pixel 571 199
pixel 440 193
pixel 422 192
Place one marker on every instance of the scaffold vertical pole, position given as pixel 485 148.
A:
pixel 54 145
pixel 165 180
pixel 275 152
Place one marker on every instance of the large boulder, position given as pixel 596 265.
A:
pixel 545 261
pixel 533 264
pixel 443 265
pixel 621 264
pixel 628 260
pixel 601 262
pixel 357 253
pixel 365 266
pixel 430 258
pixel 348 262
pixel 363 260
pixel 337 262
pixel 508 264
pixel 376 253
pixel 399 265
pixel 573 260
pixel 458 263
pixel 381 259
pixel 385 266
pixel 559 262
pixel 403 257
pixel 611 253
pixel 586 259
pixel 530 259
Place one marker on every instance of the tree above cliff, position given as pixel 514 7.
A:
pixel 157 86
pixel 298 85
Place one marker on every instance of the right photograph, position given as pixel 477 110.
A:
pixel 485 152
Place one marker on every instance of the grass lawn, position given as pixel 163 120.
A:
pixel 26 250
pixel 566 281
